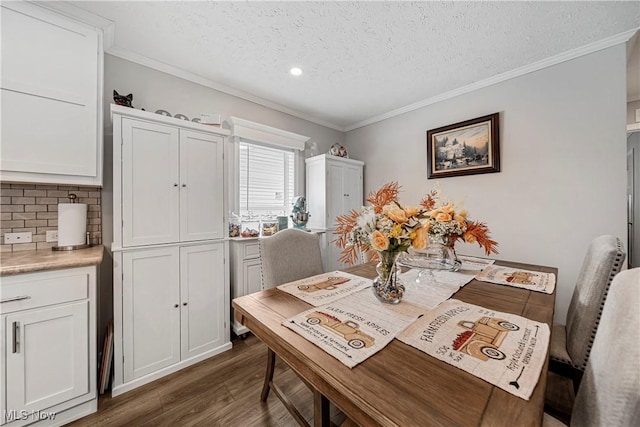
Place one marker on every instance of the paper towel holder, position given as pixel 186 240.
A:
pixel 87 244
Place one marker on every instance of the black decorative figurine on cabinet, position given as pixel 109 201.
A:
pixel 123 100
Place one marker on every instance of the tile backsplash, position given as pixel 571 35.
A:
pixel 34 208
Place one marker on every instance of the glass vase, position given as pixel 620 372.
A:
pixel 442 250
pixel 388 286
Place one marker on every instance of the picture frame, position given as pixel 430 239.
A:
pixel 466 148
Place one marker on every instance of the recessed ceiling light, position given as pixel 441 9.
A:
pixel 295 71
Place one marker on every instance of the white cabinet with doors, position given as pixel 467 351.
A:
pixel 246 276
pixel 51 97
pixel 173 306
pixel 172 182
pixel 48 349
pixel 171 280
pixel 334 188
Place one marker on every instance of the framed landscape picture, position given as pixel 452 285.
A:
pixel 466 148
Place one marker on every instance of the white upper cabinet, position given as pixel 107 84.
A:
pixel 334 187
pixel 168 179
pixel 51 97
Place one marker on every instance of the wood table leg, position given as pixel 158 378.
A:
pixel 268 376
pixel 320 410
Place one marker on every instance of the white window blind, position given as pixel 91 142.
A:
pixel 266 179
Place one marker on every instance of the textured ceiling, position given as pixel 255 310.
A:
pixel 360 59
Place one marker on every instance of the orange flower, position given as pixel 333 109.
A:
pixel 459 219
pixel 395 213
pixel 420 241
pixel 411 211
pixel 443 217
pixel 379 241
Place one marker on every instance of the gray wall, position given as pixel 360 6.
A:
pixel 563 154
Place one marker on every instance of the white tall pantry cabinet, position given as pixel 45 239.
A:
pixel 334 187
pixel 171 281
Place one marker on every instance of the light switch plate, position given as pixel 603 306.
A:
pixel 11 238
pixel 52 236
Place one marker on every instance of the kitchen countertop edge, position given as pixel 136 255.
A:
pixel 12 263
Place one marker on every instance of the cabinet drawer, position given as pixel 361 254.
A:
pixel 251 250
pixel 28 291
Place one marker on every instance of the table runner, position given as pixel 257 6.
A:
pixel 428 289
pixel 517 277
pixel 326 287
pixel 354 327
pixel 503 349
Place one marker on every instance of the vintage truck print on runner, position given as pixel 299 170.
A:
pixel 521 278
pixel 329 284
pixel 482 339
pixel 348 329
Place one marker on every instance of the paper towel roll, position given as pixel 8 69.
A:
pixel 72 224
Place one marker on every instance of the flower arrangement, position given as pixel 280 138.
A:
pixel 448 225
pixel 389 226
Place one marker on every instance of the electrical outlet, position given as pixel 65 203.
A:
pixel 11 238
pixel 52 236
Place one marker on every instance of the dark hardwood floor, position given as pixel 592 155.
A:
pixel 221 391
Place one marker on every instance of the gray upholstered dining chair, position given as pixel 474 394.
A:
pixel 609 394
pixel 571 344
pixel 287 256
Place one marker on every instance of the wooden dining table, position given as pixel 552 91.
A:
pixel 400 385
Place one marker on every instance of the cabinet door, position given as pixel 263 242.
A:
pixel 335 192
pixel 150 310
pixel 50 90
pixel 252 276
pixel 352 187
pixel 150 192
pixel 201 186
pixel 202 294
pixel 47 356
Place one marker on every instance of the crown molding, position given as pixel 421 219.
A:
pixel 530 68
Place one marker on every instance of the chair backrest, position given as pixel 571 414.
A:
pixel 602 262
pixel 609 394
pixel 289 255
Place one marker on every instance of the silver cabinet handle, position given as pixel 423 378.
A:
pixel 184 303
pixel 184 185
pixel 20 298
pixel 176 305
pixel 175 184
pixel 16 334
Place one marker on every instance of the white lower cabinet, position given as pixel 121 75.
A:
pixel 173 311
pixel 49 346
pixel 246 277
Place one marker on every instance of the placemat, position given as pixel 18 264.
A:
pixel 355 327
pixel 532 280
pixel 503 349
pixel 326 287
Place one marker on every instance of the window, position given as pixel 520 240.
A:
pixel 266 179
